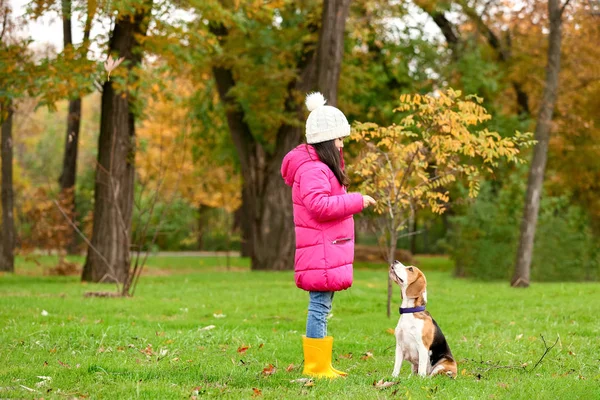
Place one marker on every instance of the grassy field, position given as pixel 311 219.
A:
pixel 161 344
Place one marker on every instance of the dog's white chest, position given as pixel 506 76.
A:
pixel 409 332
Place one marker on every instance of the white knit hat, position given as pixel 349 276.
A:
pixel 324 122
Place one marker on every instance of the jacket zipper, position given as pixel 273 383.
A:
pixel 336 241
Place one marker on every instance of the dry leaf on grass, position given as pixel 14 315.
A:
pixel 242 349
pixel 207 328
pixel 307 382
pixel 381 384
pixel 148 350
pixel 257 392
pixel 270 370
pixel 367 355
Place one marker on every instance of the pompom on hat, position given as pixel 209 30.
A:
pixel 324 122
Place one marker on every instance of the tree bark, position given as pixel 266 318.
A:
pixel 202 224
pixel 540 152
pixel 7 258
pixel 267 217
pixel 69 170
pixel 108 256
pixel 331 48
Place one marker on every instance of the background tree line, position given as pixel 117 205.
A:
pixel 181 147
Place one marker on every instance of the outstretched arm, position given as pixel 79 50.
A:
pixel 315 191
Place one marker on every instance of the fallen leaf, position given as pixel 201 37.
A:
pixel 346 356
pixel 383 384
pixel 148 350
pixel 519 336
pixel 270 370
pixel 242 349
pixel 219 315
pixel 160 333
pixel 64 364
pixel 390 331
pixel 175 359
pixel 367 355
pixel 257 392
pixel 463 372
pixel 310 383
pixel 261 345
pixel 571 353
pixel 301 380
pixel 45 363
pixel 290 368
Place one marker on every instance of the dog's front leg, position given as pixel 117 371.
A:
pixel 423 360
pixel 399 358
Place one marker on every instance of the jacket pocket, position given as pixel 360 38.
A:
pixel 341 241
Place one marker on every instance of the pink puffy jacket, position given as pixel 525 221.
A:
pixel 323 219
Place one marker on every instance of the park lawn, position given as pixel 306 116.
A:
pixel 158 344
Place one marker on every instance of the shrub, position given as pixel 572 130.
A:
pixel 484 240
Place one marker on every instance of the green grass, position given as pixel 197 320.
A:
pixel 152 345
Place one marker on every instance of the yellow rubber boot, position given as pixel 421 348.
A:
pixel 317 358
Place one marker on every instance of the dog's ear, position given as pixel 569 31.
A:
pixel 417 286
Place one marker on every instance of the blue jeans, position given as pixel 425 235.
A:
pixel 319 307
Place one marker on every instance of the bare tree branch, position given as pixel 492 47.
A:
pixel 546 349
pixel 85 239
pixel 562 9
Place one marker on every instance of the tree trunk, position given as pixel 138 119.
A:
pixel 331 48
pixel 69 170
pixel 390 257
pixel 108 256
pixel 540 151
pixel 7 258
pixel 202 224
pixel 267 217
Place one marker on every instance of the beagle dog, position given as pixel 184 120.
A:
pixel 419 339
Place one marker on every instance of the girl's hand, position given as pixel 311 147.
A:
pixel 368 201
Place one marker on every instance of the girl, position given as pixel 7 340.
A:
pixel 324 225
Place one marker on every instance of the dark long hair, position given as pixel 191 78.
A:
pixel 330 156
